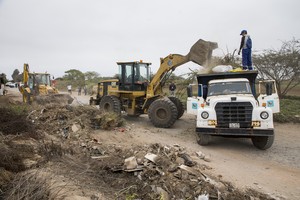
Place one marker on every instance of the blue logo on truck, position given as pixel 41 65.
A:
pixel 194 105
pixel 270 103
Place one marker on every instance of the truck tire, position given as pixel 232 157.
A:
pixel 110 104
pixel 179 105
pixel 162 113
pixel 262 142
pixel 204 139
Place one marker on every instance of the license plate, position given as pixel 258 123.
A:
pixel 234 125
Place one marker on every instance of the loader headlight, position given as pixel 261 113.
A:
pixel 204 115
pixel 264 115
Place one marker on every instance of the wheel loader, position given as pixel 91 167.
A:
pixel 38 87
pixel 134 93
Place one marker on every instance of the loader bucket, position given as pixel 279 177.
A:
pixel 201 52
pixel 62 99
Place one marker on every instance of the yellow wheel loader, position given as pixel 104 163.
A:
pixel 38 87
pixel 134 92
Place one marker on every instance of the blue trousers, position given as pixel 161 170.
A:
pixel 246 59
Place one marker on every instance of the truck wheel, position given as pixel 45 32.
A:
pixel 262 142
pixel 110 104
pixel 162 113
pixel 204 139
pixel 179 105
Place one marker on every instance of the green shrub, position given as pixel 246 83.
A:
pixel 289 110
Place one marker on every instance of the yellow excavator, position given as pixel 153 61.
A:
pixel 134 92
pixel 39 87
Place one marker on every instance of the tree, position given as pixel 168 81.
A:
pixel 75 76
pixel 282 65
pixel 91 75
pixel 16 76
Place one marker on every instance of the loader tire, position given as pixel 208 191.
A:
pixel 179 105
pixel 163 113
pixel 263 142
pixel 110 104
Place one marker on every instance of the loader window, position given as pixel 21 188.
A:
pixel 126 78
pixel 142 73
pixel 134 76
pixel 42 79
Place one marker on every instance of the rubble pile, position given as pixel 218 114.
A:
pixel 66 120
pixel 158 172
pixel 13 121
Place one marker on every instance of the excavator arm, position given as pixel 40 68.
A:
pixel 25 73
pixel 200 53
pixel 24 89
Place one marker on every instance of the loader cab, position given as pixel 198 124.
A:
pixel 42 79
pixel 134 76
pixel 36 80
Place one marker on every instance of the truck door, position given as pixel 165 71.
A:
pixel 195 98
pixel 268 95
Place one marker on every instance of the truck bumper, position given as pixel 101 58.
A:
pixel 235 132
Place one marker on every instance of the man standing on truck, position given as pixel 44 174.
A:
pixel 246 47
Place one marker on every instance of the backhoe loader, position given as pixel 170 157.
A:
pixel 133 91
pixel 38 87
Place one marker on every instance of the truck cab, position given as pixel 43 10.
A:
pixel 226 104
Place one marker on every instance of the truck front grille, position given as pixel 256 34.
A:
pixel 234 112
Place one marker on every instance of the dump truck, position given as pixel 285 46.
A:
pixel 227 104
pixel 135 93
pixel 38 87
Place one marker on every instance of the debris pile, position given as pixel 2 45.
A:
pixel 66 120
pixel 158 172
pixel 60 99
pixel 13 121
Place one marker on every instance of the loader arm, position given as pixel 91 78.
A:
pixel 167 64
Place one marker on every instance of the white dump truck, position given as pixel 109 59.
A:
pixel 226 104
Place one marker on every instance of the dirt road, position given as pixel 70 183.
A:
pixel 275 171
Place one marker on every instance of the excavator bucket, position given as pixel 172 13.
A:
pixel 201 52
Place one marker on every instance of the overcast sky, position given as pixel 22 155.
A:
pixel 92 35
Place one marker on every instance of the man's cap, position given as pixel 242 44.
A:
pixel 243 31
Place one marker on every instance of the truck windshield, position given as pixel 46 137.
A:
pixel 228 88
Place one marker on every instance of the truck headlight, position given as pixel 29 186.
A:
pixel 264 115
pixel 204 115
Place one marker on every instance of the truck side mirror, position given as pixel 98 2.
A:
pixel 269 88
pixel 189 91
pixel 200 90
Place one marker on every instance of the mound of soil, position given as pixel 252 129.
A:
pixel 13 122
